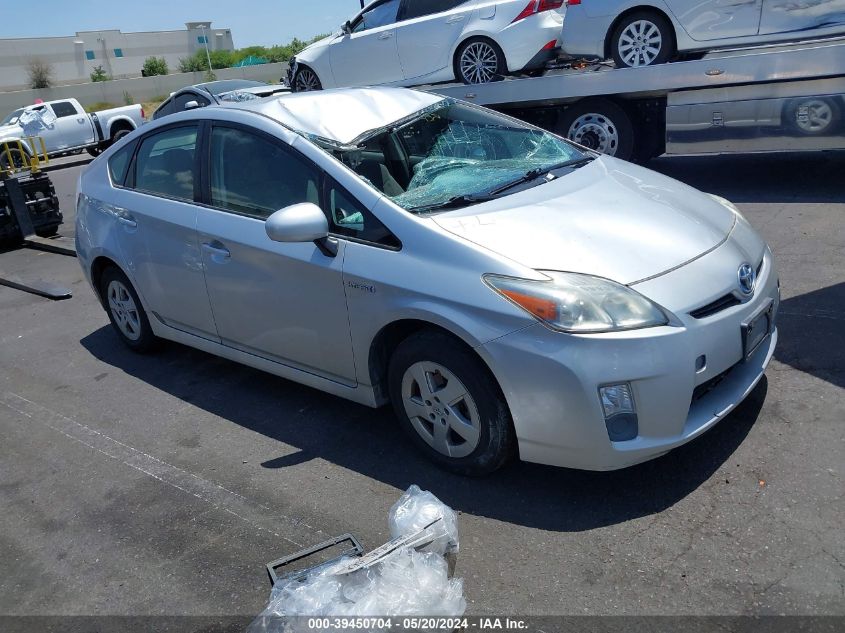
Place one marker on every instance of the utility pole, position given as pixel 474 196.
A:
pixel 207 54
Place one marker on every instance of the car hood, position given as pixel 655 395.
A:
pixel 314 46
pixel 609 218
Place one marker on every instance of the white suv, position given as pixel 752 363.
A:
pixel 411 42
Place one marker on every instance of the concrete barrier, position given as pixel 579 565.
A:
pixel 139 89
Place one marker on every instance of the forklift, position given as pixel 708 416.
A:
pixel 29 211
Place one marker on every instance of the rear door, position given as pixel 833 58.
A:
pixel 368 55
pixel 800 17
pixel 72 128
pixel 282 302
pixel 426 32
pixel 157 229
pixel 706 20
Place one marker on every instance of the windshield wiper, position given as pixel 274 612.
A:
pixel 534 174
pixel 454 202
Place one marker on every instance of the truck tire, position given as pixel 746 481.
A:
pixel 102 147
pixel 13 158
pixel 643 38
pixel 450 405
pixel 47 231
pixel 599 124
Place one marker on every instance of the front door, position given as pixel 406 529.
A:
pixel 706 20
pixel 156 218
pixel 368 55
pixel 283 302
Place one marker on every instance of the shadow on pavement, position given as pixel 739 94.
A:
pixel 783 177
pixel 812 333
pixel 369 442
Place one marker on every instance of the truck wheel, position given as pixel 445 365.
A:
pixel 642 38
pixel 449 404
pixel 306 80
pixel 600 125
pixel 812 116
pixel 479 61
pixel 126 312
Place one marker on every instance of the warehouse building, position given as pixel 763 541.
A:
pixel 72 59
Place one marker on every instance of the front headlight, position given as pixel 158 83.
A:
pixel 579 304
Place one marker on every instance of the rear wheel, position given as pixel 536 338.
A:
pixel 480 61
pixel 600 125
pixel 450 405
pixel 306 80
pixel 13 158
pixel 643 38
pixel 125 311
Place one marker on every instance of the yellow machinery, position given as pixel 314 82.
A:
pixel 26 154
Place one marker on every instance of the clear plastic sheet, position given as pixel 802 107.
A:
pixel 406 582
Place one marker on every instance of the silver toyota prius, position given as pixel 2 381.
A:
pixel 509 293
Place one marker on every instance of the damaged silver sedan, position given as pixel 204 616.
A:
pixel 509 293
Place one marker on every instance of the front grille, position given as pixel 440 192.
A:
pixel 722 303
pixel 706 387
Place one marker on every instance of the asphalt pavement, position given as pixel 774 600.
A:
pixel 161 485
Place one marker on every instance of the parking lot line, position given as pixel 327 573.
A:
pixel 257 515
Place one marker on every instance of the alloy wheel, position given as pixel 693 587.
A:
pixel 306 81
pixel 818 117
pixel 441 409
pixel 479 63
pixel 640 43
pixel 124 310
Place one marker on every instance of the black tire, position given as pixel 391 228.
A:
pixel 47 231
pixel 599 124
pixel 146 340
pixel 501 66
pixel 812 116
pixel 306 80
pixel 18 159
pixel 95 151
pixel 496 440
pixel 667 39
pixel 121 133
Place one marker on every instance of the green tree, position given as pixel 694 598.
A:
pixel 154 66
pixel 99 74
pixel 40 73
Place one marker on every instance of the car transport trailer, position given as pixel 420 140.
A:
pixel 764 98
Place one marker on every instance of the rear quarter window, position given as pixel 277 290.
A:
pixel 119 164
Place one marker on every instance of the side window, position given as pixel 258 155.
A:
pixel 349 217
pixel 165 163
pixel 119 164
pixel 381 15
pixel 164 109
pixel 418 8
pixel 181 101
pixel 64 109
pixel 255 176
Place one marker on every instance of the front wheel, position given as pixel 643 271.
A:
pixel 12 159
pixel 449 404
pixel 306 80
pixel 643 38
pixel 479 61
pixel 125 311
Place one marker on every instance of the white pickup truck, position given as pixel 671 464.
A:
pixel 66 128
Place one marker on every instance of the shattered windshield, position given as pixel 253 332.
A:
pixel 12 118
pixel 457 155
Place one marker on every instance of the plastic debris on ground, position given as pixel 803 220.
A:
pixel 407 576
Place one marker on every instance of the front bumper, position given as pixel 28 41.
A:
pixel 551 380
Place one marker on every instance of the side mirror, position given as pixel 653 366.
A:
pixel 192 105
pixel 346 28
pixel 304 222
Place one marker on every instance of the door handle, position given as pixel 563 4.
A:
pixel 129 222
pixel 386 35
pixel 80 121
pixel 454 19
pixel 216 249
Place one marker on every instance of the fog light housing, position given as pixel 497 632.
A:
pixel 620 412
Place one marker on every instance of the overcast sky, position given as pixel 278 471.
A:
pixel 264 22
